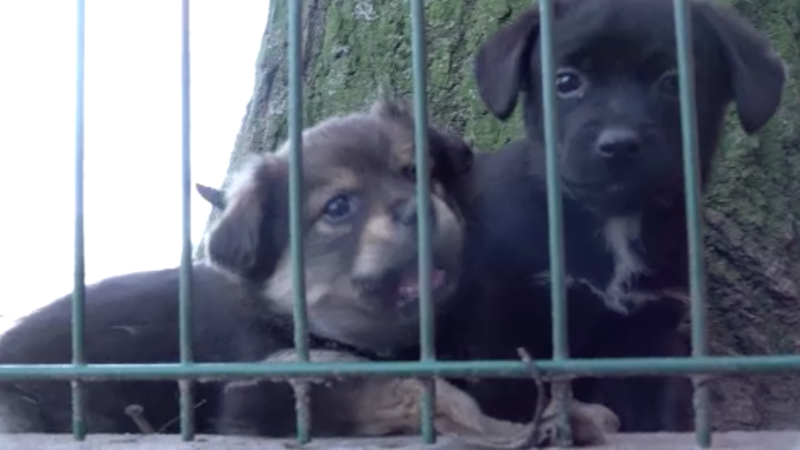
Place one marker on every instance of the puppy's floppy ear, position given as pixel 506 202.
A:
pixel 501 63
pixel 213 196
pixel 251 235
pixel 758 74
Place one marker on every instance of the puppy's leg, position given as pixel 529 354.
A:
pixel 392 406
pixel 590 423
pixel 357 406
pixel 266 407
pixel 382 406
pixel 19 413
pixel 646 403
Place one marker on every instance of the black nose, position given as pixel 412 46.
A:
pixel 617 143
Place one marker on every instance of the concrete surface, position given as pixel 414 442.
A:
pixel 660 441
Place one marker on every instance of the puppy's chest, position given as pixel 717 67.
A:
pixel 614 266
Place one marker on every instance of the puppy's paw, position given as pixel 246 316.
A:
pixel 393 406
pixel 590 423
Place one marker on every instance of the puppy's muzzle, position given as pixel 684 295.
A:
pixel 394 279
pixel 399 288
pixel 618 145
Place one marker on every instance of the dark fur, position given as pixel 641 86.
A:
pixel 242 301
pixel 624 49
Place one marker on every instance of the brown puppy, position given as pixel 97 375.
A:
pixel 360 229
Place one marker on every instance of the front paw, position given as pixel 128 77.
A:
pixel 590 423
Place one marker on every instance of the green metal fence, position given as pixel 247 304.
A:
pixel 561 368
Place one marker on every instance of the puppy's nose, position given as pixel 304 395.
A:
pixel 404 212
pixel 617 143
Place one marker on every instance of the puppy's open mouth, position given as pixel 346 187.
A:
pixel 409 286
pixel 402 288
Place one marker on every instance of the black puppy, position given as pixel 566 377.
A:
pixel 359 224
pixel 619 146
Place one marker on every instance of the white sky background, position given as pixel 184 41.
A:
pixel 132 133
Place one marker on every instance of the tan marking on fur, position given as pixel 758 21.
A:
pixel 402 155
pixel 279 286
pixel 379 228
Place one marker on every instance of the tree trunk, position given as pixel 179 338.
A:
pixel 355 48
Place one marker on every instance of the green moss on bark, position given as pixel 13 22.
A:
pixel 752 242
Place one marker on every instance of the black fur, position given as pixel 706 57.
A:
pixel 133 319
pixel 620 156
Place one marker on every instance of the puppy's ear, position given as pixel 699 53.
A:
pixel 758 74
pixel 213 196
pixel 452 156
pixel 392 108
pixel 501 63
pixel 252 233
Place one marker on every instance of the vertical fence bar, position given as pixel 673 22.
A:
pixel 295 11
pixel 79 292
pixel 185 294
pixel 691 170
pixel 561 389
pixel 428 353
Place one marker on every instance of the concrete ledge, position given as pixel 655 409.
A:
pixel 789 440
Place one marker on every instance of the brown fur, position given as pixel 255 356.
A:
pixel 368 157
pixel 357 268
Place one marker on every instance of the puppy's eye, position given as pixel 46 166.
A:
pixel 669 84
pixel 410 172
pixel 339 208
pixel 569 82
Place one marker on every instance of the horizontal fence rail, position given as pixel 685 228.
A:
pixel 560 369
pixel 679 366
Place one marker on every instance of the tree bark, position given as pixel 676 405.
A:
pixel 353 49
